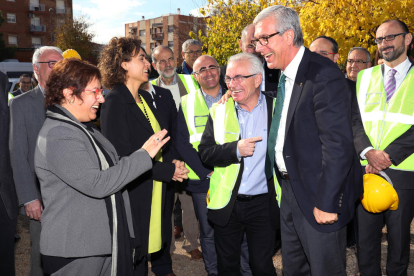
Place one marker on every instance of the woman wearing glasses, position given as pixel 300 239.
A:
pixel 128 119
pixel 85 219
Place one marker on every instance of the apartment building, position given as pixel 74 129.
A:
pixel 28 23
pixel 169 29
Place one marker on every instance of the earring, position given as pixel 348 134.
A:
pixel 71 101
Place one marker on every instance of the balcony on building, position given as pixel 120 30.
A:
pixel 133 30
pixel 38 29
pixel 36 7
pixel 60 10
pixel 154 25
pixel 157 36
pixel 35 46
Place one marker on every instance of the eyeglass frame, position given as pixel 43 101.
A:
pixel 205 69
pixel 49 62
pixel 98 91
pixel 391 38
pixel 265 38
pixel 237 79
pixel 359 61
pixel 199 52
pixel 325 53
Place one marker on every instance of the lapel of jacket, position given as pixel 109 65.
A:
pixel 298 85
pixel 154 110
pixel 38 102
pixel 134 108
pixel 181 86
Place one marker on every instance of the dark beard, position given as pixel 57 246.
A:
pixel 393 55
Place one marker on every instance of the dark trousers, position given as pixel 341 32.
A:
pixel 7 231
pixel 161 263
pixel 398 228
pixel 253 218
pixel 307 251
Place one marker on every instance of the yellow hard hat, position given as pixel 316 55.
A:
pixel 379 194
pixel 70 53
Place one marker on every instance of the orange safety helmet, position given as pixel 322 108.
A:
pixel 379 194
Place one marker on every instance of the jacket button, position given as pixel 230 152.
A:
pixel 340 204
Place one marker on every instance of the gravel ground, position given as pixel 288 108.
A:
pixel 182 263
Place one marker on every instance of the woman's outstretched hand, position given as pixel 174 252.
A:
pixel 156 142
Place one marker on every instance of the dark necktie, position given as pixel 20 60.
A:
pixel 274 127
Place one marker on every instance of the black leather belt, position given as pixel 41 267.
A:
pixel 241 197
pixel 285 175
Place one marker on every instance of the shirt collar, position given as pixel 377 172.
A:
pixel 151 88
pixel 174 82
pixel 205 94
pixel 292 68
pixel 401 68
pixel 259 101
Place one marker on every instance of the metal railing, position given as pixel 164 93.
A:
pixel 37 7
pixel 156 36
pixel 36 45
pixel 60 10
pixel 40 28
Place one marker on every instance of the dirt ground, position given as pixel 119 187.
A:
pixel 182 263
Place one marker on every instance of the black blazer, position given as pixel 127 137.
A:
pixel 399 149
pixel 127 128
pixel 226 154
pixel 319 153
pixel 271 79
pixel 7 189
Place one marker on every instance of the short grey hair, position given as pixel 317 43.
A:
pixel 244 33
pixel 363 50
pixel 286 19
pixel 158 49
pixel 255 64
pixel 190 42
pixel 39 52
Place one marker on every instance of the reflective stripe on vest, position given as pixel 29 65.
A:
pixel 189 82
pixel 384 122
pixel 226 126
pixel 10 96
pixel 196 113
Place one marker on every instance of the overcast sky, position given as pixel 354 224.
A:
pixel 109 16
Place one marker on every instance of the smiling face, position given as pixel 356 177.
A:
pixel 276 52
pixel 352 69
pixel 85 109
pixel 165 64
pixel 137 68
pixel 394 51
pixel 25 84
pixel 246 92
pixel 191 54
pixel 209 79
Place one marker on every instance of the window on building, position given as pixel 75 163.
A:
pixel 35 21
pixel 12 39
pixel 36 42
pixel 60 7
pixel 170 44
pixel 11 18
pixel 11 0
pixel 170 29
pixel 142 32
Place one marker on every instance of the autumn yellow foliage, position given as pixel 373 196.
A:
pixel 351 23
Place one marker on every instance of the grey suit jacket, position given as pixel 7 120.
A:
pixel 75 220
pixel 7 190
pixel 27 113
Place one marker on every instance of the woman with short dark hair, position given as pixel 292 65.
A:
pixel 86 221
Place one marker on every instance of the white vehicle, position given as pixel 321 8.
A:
pixel 15 69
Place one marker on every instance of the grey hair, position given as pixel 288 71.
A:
pixel 285 19
pixel 255 64
pixel 244 33
pixel 190 42
pixel 363 50
pixel 39 52
pixel 158 49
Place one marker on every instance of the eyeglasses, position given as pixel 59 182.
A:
pixel 97 91
pixel 264 40
pixel 164 62
pixel 197 53
pixel 358 61
pixel 237 79
pixel 325 53
pixel 379 40
pixel 51 63
pixel 203 71
pixel 25 82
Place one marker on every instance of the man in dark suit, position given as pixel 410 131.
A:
pixel 28 114
pixel 310 148
pixel 388 91
pixel 25 84
pixel 8 198
pixel 270 76
pixel 241 199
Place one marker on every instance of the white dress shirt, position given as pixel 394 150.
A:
pixel 290 73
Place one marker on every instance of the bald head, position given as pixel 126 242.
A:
pixel 207 73
pixel 202 61
pixel 245 42
pixel 325 46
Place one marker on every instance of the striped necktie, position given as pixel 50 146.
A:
pixel 390 85
pixel 274 127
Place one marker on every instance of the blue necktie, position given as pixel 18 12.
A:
pixel 277 114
